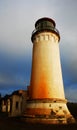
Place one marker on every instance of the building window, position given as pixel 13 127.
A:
pixel 17 104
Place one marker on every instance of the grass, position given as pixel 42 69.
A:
pixel 17 124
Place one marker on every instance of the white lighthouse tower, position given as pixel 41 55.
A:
pixel 46 103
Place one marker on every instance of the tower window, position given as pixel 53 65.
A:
pixel 49 105
pixel 60 107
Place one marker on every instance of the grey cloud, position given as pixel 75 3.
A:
pixel 71 93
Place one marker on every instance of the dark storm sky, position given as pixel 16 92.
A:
pixel 17 19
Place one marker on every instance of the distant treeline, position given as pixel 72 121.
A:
pixel 73 109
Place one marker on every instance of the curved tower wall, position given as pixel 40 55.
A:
pixel 46 78
pixel 46 103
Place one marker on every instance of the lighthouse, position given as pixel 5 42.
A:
pixel 46 102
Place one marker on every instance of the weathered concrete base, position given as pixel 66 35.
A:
pixel 49 111
pixel 45 120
